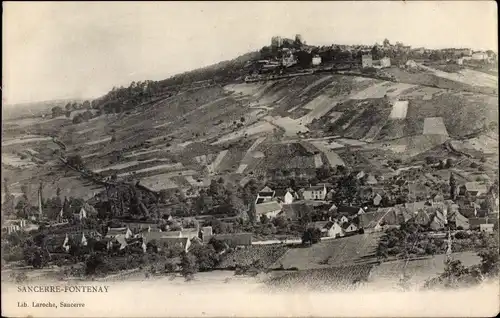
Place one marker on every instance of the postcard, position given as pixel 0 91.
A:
pixel 250 159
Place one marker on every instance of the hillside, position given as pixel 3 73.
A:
pixel 207 123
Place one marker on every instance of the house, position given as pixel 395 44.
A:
pixel 380 219
pixel 316 60
pixel 11 226
pixel 315 193
pixel 287 196
pixel 327 228
pixel 486 228
pixel 264 195
pixel 366 60
pixel 422 217
pixel 165 241
pixel 413 207
pixel 270 209
pixel 475 223
pixel 475 189
pixel 439 221
pixel 385 62
pixel 371 180
pixel 235 239
pixel 333 208
pixel 349 228
pixel 343 219
pixel 119 231
pixel 206 234
pixel 82 214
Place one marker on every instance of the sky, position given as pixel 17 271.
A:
pixel 57 50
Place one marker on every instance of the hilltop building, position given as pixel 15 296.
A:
pixel 366 60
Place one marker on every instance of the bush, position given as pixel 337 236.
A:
pixel 461 235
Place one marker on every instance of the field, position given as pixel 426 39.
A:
pixel 434 126
pixel 420 270
pixel 335 252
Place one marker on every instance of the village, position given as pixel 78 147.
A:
pixel 323 175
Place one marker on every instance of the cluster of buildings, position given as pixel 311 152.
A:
pixel 337 221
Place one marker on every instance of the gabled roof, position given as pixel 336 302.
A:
pixel 266 189
pixel 347 224
pixel 267 207
pixel 371 180
pixel 348 209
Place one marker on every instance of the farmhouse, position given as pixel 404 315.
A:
pixel 270 209
pixel 315 193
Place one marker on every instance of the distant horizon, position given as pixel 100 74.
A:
pixel 81 50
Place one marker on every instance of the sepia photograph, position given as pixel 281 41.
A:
pixel 250 159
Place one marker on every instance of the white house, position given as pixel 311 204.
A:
pixel 288 198
pixel 315 193
pixel 328 228
pixel 316 60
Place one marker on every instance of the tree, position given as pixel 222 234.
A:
pixel 453 186
pixel 311 236
pixel 188 265
pixel 78 119
pixel 206 257
pixel 68 114
pixel 75 161
pixel 57 111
